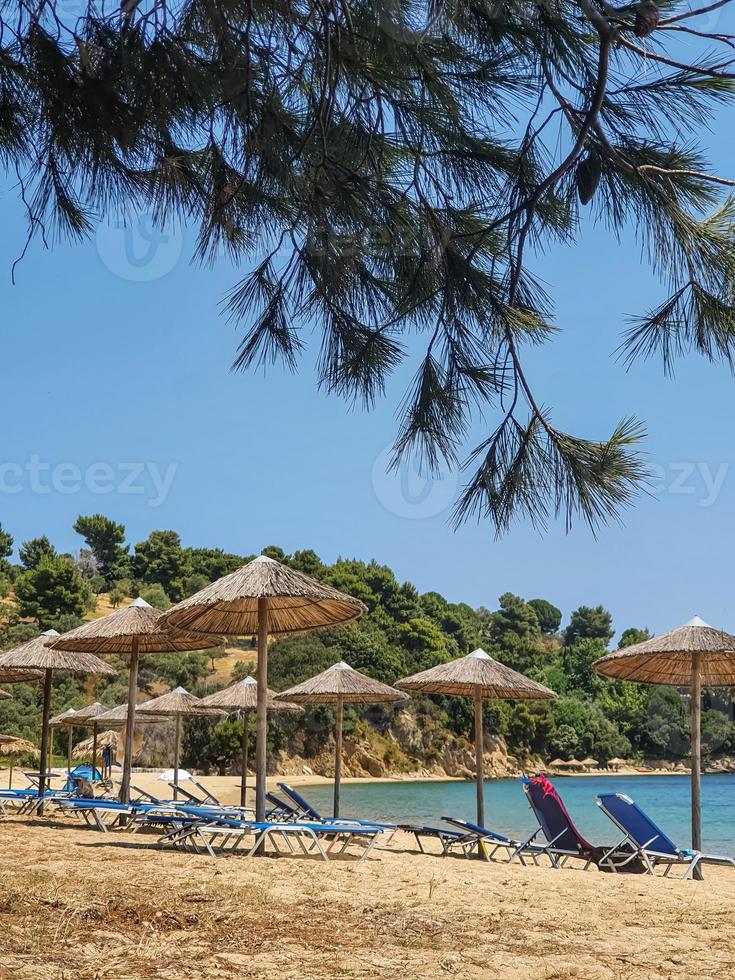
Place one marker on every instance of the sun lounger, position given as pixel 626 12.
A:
pixel 303 810
pixel 27 801
pixel 646 841
pixel 488 842
pixel 443 835
pixel 228 835
pixel 99 814
pixel 208 812
pixel 280 809
pixel 138 795
pixel 187 794
pixel 299 808
pixel 207 796
pixel 104 815
pixel 563 840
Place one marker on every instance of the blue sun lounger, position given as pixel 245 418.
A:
pixel 27 801
pixel 105 814
pixel 647 841
pixel 206 799
pixel 304 809
pixel 488 842
pixel 447 838
pixel 280 809
pixel 300 809
pixel 227 835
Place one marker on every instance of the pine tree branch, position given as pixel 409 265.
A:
pixel 681 65
pixel 695 13
pixel 727 39
pixel 712 178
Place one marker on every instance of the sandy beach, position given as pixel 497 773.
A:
pixel 80 905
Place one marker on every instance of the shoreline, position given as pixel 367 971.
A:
pixel 304 779
pixel 232 782
pixel 315 780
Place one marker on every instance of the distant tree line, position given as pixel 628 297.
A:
pixel 403 631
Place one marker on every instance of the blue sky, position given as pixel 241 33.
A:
pixel 108 378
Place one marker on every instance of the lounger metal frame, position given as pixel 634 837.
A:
pixel 556 855
pixel 232 834
pixel 481 837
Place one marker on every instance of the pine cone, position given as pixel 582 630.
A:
pixel 647 16
pixel 587 177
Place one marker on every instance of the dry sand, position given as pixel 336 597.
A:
pixel 79 905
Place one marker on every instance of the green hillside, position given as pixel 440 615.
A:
pixel 403 631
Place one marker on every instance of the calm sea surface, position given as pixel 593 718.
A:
pixel 665 798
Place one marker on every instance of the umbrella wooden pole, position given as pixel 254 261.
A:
pixel 45 734
pixel 130 729
pixel 94 750
pixel 338 753
pixel 261 733
pixel 245 749
pixel 479 760
pixel 10 775
pixel 696 699
pixel 177 753
pixel 68 749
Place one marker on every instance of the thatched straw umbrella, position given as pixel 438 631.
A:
pixel 92 745
pixel 36 655
pixel 242 697
pixel 18 676
pixel 87 718
pixel 338 685
pixel 260 598
pixel 59 720
pixel 692 655
pixel 178 704
pixel 63 721
pixel 117 718
pixel 616 763
pixel 11 746
pixel 477 676
pixel 589 763
pixel 556 763
pixel 129 632
pixel 82 718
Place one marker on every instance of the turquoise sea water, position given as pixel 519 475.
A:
pixel 665 798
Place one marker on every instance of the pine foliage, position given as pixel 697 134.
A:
pixel 383 171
